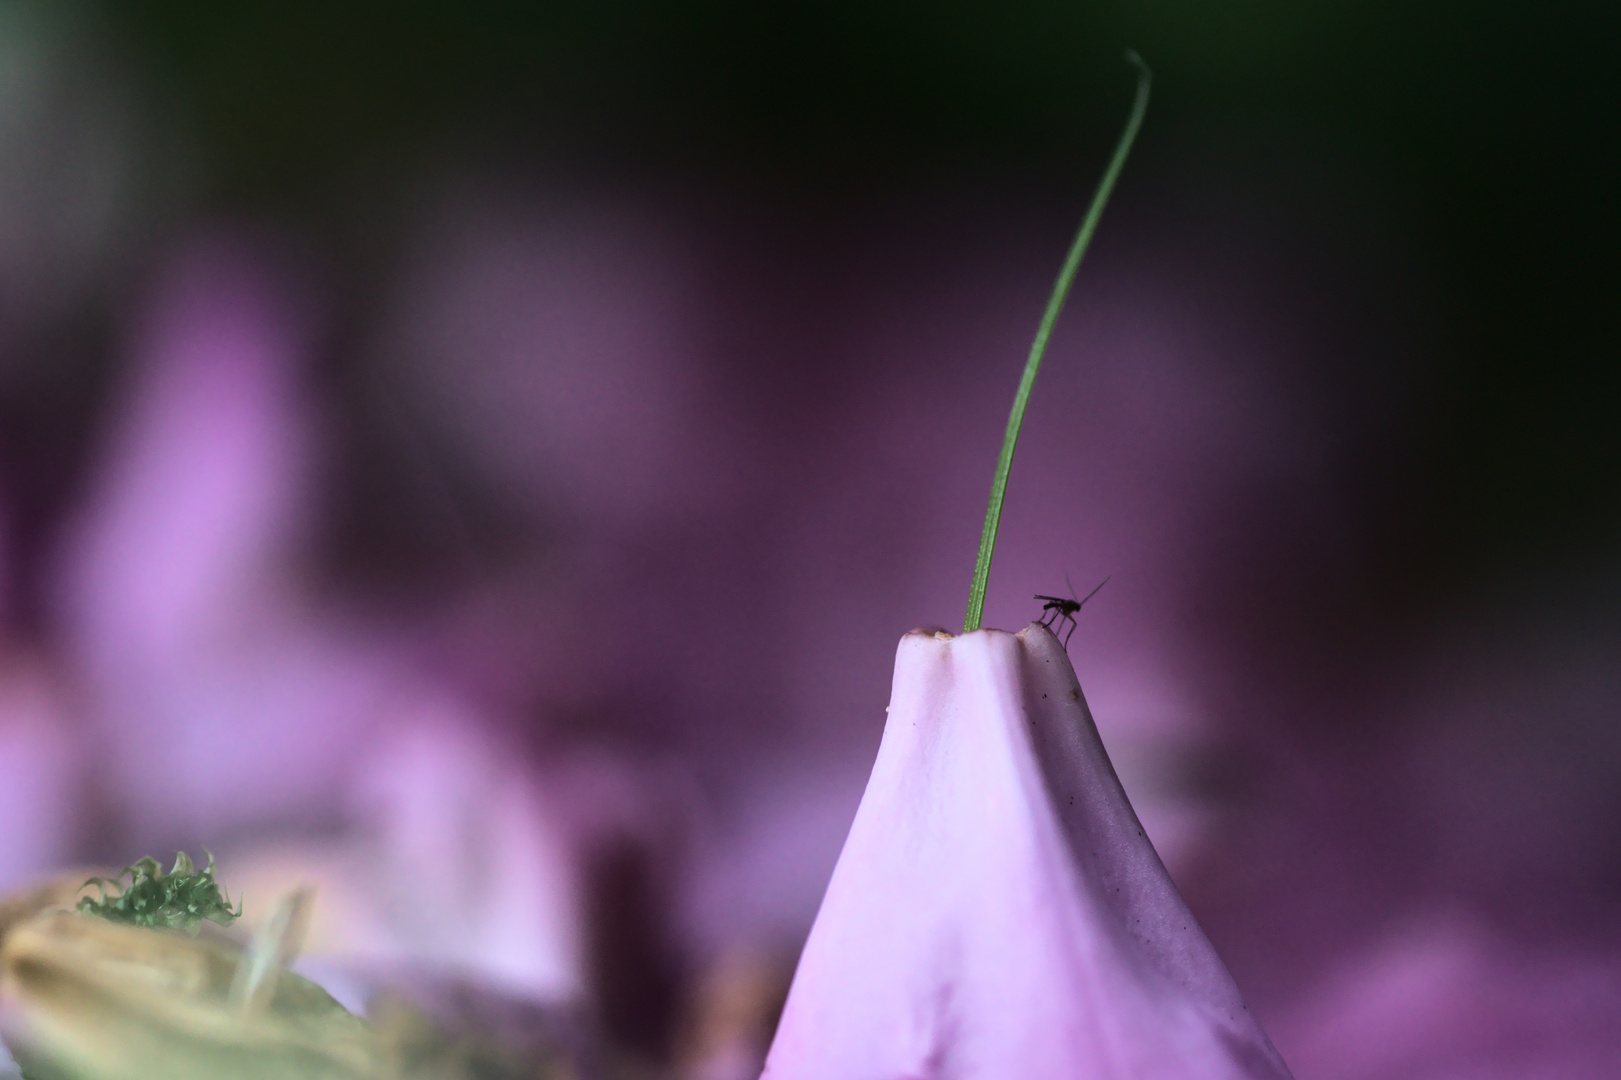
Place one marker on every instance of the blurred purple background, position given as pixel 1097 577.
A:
pixel 481 458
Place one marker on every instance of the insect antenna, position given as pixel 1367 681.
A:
pixel 1082 602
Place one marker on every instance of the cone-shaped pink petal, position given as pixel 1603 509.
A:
pixel 997 911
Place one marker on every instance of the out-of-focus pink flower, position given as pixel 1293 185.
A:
pixel 41 771
pixel 219 692
pixel 998 910
pixel 1443 994
pixel 471 868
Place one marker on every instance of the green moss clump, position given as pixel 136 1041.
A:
pixel 179 900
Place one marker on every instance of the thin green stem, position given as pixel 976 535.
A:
pixel 1055 304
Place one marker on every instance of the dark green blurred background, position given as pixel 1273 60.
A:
pixel 1476 140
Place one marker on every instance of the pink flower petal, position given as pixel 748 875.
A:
pixel 998 911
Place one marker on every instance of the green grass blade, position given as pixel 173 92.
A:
pixel 1055 304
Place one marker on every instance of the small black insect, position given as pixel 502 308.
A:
pixel 1064 608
